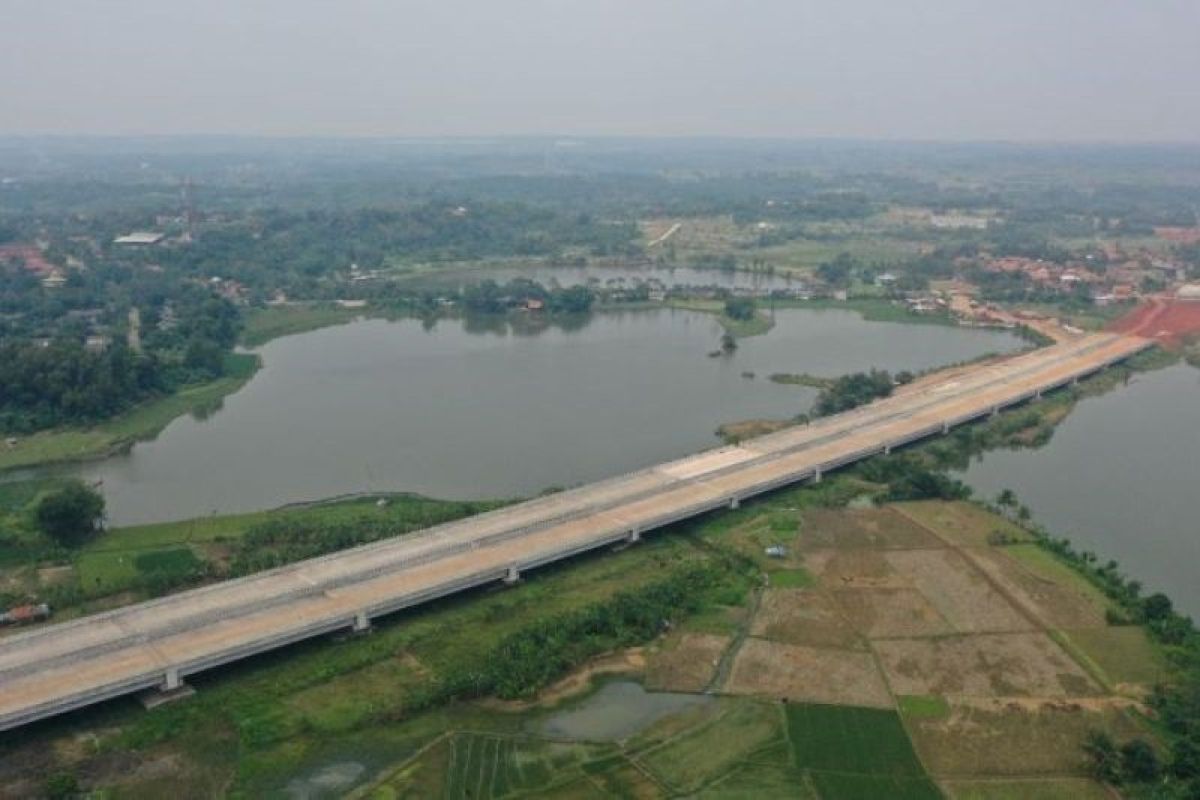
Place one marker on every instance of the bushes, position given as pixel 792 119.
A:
pixel 71 515
pixel 851 391
pixel 286 539
pixel 740 308
pixel 530 658
pixel 908 478
pixel 1136 761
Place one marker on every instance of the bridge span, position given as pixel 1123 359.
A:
pixel 56 668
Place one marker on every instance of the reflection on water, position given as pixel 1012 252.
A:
pixel 488 409
pixel 620 277
pixel 617 711
pixel 1120 477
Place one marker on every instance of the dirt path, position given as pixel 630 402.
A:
pixel 725 666
pixel 671 231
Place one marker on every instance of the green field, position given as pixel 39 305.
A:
pixel 923 706
pixel 791 579
pixel 844 739
pixel 853 753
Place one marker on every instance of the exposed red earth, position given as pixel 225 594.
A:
pixel 1168 321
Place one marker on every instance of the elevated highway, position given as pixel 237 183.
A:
pixel 60 667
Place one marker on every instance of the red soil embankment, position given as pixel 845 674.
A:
pixel 1168 321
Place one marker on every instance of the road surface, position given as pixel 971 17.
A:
pixel 56 668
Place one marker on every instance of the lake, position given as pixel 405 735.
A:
pixel 1119 477
pixel 462 410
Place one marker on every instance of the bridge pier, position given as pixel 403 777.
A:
pixel 945 428
pixel 887 449
pixel 172 688
pixel 361 623
pixel 512 576
pixel 995 411
pixel 634 536
pixel 817 475
pixel 734 502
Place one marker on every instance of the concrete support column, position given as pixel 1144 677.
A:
pixel 734 502
pixel 817 475
pixel 513 575
pixel 171 680
pixel 945 428
pixel 1037 395
pixel 1075 381
pixel 995 411
pixel 634 536
pixel 361 622
pixel 887 449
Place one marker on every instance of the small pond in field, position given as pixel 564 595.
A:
pixel 618 710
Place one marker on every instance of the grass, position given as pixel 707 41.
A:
pixel 264 324
pixel 1049 567
pixel 1122 655
pixel 923 706
pixel 872 309
pixel 142 422
pixel 792 579
pixel 691 760
pixel 757 325
pixel 849 740
pixel 1035 789
pixel 962 523
pixel 870 787
pixel 761 782
pixel 109 564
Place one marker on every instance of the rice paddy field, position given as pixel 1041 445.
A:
pixel 891 651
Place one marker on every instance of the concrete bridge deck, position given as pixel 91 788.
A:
pixel 56 668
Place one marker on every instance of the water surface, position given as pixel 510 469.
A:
pixel 1120 477
pixel 617 711
pixel 467 411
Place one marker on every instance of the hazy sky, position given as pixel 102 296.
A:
pixel 926 69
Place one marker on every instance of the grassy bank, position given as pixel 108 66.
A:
pixel 142 422
pixel 132 563
pixel 264 324
pixel 872 309
pixel 757 325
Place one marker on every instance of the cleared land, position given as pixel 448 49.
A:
pixel 807 674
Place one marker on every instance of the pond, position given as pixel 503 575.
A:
pixel 1120 477
pixel 463 411
pixel 618 710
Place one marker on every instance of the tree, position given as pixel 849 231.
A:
pixel 1006 499
pixel 1106 761
pixel 1157 606
pixel 739 308
pixel 1139 762
pixel 728 343
pixel 72 514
